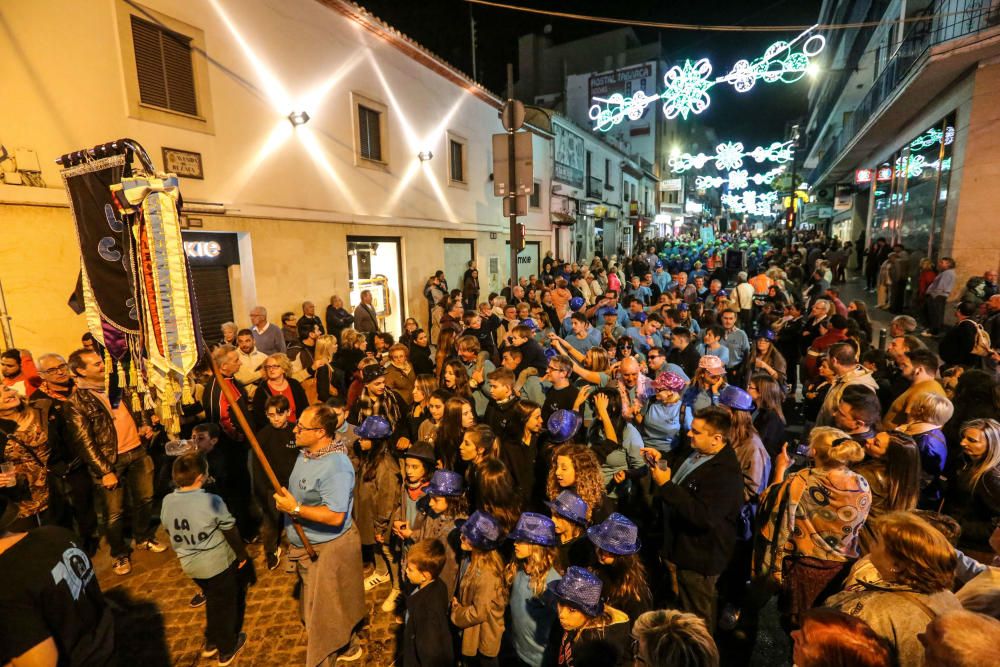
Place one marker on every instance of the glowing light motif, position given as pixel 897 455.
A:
pixel 737 180
pixel 932 137
pixel 731 155
pixel 686 86
pixel 750 202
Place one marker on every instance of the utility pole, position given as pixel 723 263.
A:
pixel 515 240
pixel 472 35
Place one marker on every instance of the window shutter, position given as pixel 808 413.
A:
pixel 457 168
pixel 163 65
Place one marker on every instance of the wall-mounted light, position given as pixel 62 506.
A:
pixel 424 156
pixel 298 118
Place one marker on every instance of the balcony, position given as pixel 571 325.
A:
pixel 595 188
pixel 956 19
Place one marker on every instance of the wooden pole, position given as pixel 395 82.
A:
pixel 241 419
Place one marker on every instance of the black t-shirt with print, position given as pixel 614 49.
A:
pixel 48 588
pixel 559 399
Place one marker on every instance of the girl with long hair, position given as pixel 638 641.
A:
pixel 420 353
pixel 532 569
pixel 745 441
pixel 494 493
pixel 594 367
pixel 892 469
pixel 455 378
pixel 423 388
pixel 617 563
pixel 577 469
pixel 377 489
pixel 478 609
pixel 330 380
pixel 445 349
pixel 519 445
pixel 435 413
pixel 616 443
pixel 769 418
pixel 765 358
pixel 569 516
pixel 350 353
pixel 973 496
pixel 449 433
pixel 858 311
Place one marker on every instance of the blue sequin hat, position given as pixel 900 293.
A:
pixel 375 427
pixel 736 398
pixel 482 531
pixel 446 483
pixel 563 425
pixel 534 528
pixel 579 588
pixel 617 535
pixel 571 507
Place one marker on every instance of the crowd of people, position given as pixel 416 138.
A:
pixel 613 463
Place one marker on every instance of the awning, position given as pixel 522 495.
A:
pixel 563 219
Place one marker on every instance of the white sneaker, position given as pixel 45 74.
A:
pixel 390 602
pixel 376 579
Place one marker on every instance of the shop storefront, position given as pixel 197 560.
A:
pixel 212 257
pixel 909 191
pixel 375 264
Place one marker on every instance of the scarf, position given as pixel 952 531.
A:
pixel 387 405
pixel 55 391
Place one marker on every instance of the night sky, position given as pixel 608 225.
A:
pixel 755 117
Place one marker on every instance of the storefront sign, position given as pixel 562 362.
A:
pixel 208 248
pixel 884 174
pixel 625 81
pixel 862 176
pixel 570 155
pixel 670 185
pixel 182 163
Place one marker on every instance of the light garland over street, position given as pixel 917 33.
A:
pixel 686 86
pixel 737 180
pixel 730 155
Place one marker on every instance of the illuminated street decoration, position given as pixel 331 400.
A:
pixel 686 86
pixel 932 137
pixel 730 155
pixel 917 164
pixel 750 202
pixel 737 180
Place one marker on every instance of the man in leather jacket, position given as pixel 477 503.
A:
pixel 109 439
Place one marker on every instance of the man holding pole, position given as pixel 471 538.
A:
pixel 320 496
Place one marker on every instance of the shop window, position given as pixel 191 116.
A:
pixel 457 147
pixel 164 67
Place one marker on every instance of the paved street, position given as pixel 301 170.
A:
pixel 156 627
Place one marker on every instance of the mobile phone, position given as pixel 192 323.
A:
pixel 802 449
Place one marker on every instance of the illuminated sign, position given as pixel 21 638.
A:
pixel 863 176
pixel 686 86
pixel 737 180
pixel 202 249
pixel 884 174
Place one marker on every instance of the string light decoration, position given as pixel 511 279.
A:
pixel 737 180
pixel 686 86
pixel 750 202
pixel 730 155
pixel 933 137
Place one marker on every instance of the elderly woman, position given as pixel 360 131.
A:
pixel 809 523
pixel 24 473
pixel 278 380
pixel 229 330
pixel 399 373
pixel 906 585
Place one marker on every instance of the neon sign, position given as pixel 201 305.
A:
pixel 686 86
pixel 730 155
pixel 202 249
pixel 862 176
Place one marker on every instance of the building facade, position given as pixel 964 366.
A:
pixel 320 151
pixel 902 135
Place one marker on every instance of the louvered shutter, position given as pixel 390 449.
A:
pixel 163 64
pixel 370 139
pixel 215 302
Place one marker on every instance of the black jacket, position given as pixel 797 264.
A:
pixel 956 346
pixel 702 512
pixel 90 428
pixel 212 402
pixel 337 319
pixel 687 358
pixel 427 640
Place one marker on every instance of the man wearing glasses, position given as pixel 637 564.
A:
pixel 74 501
pixel 320 496
pixel 562 395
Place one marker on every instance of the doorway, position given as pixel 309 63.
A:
pixel 457 255
pixel 375 264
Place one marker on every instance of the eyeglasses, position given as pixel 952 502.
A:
pixel 300 427
pixel 61 368
pixel 271 367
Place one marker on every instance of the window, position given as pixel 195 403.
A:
pixel 535 200
pixel 369 134
pixel 457 147
pixel 587 165
pixel 607 172
pixel 164 68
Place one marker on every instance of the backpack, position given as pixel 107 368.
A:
pixel 983 346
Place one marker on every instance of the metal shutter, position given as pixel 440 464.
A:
pixel 215 303
pixel 371 138
pixel 163 64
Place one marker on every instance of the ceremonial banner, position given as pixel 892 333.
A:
pixel 105 253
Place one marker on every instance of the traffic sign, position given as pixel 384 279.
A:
pixel 512 115
pixel 523 166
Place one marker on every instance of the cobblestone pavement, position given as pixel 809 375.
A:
pixel 156 627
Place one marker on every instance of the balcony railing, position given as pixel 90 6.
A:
pixel 595 188
pixel 954 19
